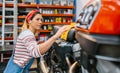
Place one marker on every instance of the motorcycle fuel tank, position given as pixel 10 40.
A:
pixel 100 17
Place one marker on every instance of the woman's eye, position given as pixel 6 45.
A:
pixel 37 19
pixel 41 19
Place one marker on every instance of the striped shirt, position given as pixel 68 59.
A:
pixel 26 48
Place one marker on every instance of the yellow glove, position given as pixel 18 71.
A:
pixel 65 34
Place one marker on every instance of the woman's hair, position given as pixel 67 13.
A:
pixel 29 17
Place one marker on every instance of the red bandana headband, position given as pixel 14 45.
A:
pixel 30 14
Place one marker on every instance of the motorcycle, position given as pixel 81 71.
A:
pixel 59 58
pixel 93 46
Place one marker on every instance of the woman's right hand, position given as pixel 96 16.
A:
pixel 61 30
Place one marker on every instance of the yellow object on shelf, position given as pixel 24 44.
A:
pixel 65 34
pixel 0 20
pixel 56 12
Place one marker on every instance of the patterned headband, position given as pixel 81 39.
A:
pixel 30 14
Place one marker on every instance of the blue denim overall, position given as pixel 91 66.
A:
pixel 14 68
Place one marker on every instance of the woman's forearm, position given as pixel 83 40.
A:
pixel 44 47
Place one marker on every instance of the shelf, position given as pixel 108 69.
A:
pixel 8 24
pixel 0 16
pixel 21 5
pixel 22 16
pixel 54 15
pixel 48 23
pixel 0 4
pixel 8 5
pixel 11 38
pixel 55 6
pixel 20 23
pixel 55 23
pixel 60 15
pixel 44 30
pixel 7 38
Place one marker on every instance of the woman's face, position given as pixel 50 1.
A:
pixel 36 22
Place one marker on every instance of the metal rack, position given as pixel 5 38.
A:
pixel 13 24
pixel 9 28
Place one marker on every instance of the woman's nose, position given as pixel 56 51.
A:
pixel 40 21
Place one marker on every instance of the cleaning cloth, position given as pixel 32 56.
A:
pixel 65 34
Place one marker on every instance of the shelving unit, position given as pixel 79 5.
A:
pixel 45 15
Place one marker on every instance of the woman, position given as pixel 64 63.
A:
pixel 26 48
